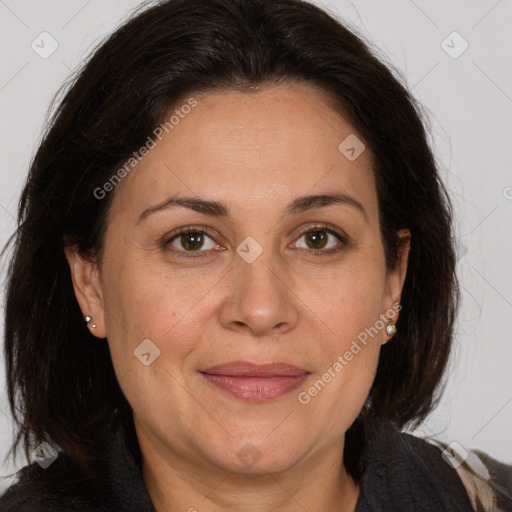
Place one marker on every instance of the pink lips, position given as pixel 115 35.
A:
pixel 255 382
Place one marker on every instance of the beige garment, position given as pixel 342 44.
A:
pixel 488 482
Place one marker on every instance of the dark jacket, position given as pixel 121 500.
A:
pixel 396 471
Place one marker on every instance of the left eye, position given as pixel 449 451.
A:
pixel 318 239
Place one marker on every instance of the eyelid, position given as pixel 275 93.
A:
pixel 323 226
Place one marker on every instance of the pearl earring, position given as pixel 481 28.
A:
pixel 88 320
pixel 391 329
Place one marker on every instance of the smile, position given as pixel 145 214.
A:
pixel 256 388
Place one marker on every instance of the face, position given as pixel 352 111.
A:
pixel 264 275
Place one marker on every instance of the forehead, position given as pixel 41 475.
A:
pixel 251 149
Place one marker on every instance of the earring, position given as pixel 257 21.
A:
pixel 391 329
pixel 88 320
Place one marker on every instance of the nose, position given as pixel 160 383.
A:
pixel 262 300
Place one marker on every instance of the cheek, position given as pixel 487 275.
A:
pixel 336 393
pixel 148 302
pixel 348 299
pixel 352 330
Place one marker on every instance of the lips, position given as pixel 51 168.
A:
pixel 255 382
pixel 248 369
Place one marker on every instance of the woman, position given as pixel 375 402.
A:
pixel 242 278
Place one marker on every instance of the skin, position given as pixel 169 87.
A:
pixel 256 152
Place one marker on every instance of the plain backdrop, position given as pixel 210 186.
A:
pixel 455 57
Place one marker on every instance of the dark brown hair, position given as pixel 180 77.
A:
pixel 61 383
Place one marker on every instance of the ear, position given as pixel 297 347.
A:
pixel 395 279
pixel 86 284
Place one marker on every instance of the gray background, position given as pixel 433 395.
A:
pixel 469 103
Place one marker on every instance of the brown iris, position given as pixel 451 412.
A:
pixel 192 241
pixel 319 239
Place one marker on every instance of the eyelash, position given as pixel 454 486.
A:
pixel 310 229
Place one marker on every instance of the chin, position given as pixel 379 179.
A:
pixel 252 457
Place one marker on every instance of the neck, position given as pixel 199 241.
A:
pixel 316 483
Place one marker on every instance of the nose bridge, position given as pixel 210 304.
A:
pixel 261 297
pixel 259 268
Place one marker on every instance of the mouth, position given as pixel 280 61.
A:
pixel 255 382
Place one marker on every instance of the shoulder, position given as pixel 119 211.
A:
pixel 59 487
pixel 115 483
pixel 404 472
pixel 433 472
pixel 428 463
pixel 488 482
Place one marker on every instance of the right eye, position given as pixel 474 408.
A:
pixel 191 241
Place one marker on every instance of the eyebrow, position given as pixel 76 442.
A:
pixel 221 209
